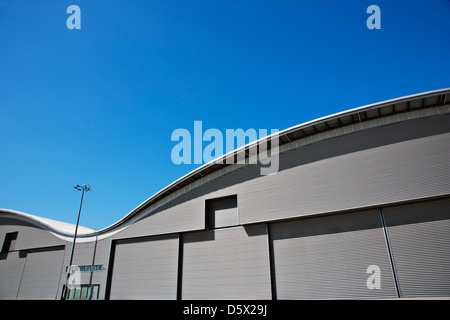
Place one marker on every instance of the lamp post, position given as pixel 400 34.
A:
pixel 82 188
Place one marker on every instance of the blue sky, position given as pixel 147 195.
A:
pixel 98 105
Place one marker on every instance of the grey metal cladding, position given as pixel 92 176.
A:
pixel 185 213
pixel 327 257
pixel 29 236
pixel 389 164
pixel 11 269
pixel 83 255
pixel 145 268
pixel 231 263
pixel 41 274
pixel 420 243
pixel 101 257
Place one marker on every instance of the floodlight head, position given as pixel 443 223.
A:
pixel 84 187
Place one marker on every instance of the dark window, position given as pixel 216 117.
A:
pixel 221 212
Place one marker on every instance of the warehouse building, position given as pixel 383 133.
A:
pixel 360 208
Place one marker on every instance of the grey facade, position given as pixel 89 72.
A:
pixel 365 187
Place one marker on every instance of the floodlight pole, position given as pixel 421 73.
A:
pixel 82 188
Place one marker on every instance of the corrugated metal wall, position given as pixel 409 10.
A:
pixel 11 270
pixel 33 267
pixel 41 275
pixel 328 257
pixel 385 165
pixel 419 235
pixel 145 268
pixel 230 263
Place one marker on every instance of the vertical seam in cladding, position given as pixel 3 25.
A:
pixel 273 283
pixel 93 259
pixel 109 275
pixel 62 271
pixel 180 267
pixel 23 271
pixel 391 258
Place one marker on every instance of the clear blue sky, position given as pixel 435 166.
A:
pixel 99 105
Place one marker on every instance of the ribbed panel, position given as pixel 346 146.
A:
pixel 41 274
pixel 327 257
pixel 230 263
pixel 145 269
pixel 420 243
pixel 370 168
pixel 11 269
pixel 182 214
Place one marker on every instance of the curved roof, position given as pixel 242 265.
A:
pixel 62 228
pixel 362 114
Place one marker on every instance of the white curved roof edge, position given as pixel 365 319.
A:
pixel 62 228
pixel 368 107
pixel 66 229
